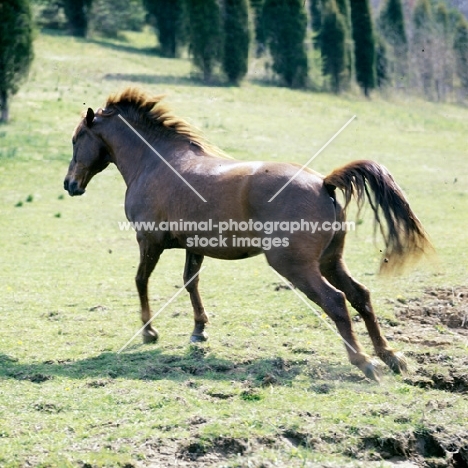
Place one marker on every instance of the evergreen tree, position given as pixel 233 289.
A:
pixel 364 45
pixel 285 29
pixel 442 19
pixel 383 63
pixel 76 12
pixel 109 17
pixel 16 50
pixel 236 39
pixel 423 43
pixel 171 24
pixel 333 45
pixel 205 35
pixel 461 52
pixel 315 7
pixel 392 24
pixel 257 7
pixel 392 27
pixel 442 52
pixel 345 9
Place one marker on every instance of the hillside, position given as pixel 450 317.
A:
pixel 273 386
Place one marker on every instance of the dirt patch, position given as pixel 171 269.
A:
pixel 437 319
pixel 218 448
pixel 454 381
pixel 35 377
pixel 437 307
pixel 430 448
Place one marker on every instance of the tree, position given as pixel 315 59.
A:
pixel 442 19
pixel 315 7
pixel 257 7
pixel 392 24
pixel 333 45
pixel 236 39
pixel 423 44
pixel 345 9
pixel 205 35
pixel 383 65
pixel 392 27
pixel 442 52
pixel 171 24
pixel 364 45
pixel 16 51
pixel 76 12
pixel 109 17
pixel 285 29
pixel 461 52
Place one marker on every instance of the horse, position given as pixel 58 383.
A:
pixel 169 168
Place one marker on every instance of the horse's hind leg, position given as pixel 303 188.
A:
pixel 334 269
pixel 149 256
pixel 308 278
pixel 193 264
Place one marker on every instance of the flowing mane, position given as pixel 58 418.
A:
pixel 147 109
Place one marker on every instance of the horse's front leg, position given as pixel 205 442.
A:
pixel 193 264
pixel 149 256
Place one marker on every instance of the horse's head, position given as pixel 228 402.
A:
pixel 90 155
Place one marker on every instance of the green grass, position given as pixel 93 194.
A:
pixel 273 383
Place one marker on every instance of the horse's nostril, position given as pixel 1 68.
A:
pixel 65 184
pixel 73 188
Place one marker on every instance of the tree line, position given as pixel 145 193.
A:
pixel 424 48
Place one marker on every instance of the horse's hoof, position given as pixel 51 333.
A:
pixel 372 371
pixel 396 361
pixel 150 336
pixel 199 338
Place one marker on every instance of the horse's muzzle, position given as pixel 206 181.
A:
pixel 72 188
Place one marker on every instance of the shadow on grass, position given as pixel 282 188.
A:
pixel 154 79
pixel 154 364
pixel 123 47
pixel 193 80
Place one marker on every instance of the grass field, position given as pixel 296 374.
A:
pixel 272 387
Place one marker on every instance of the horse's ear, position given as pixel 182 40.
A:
pixel 89 117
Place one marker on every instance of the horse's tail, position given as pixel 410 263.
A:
pixel 403 233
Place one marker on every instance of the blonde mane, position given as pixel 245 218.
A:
pixel 141 107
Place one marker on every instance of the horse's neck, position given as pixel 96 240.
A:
pixel 129 151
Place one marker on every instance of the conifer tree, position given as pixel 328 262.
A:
pixel 364 45
pixel 392 25
pixel 392 29
pixel 285 24
pixel 461 52
pixel 316 7
pixel 236 39
pixel 205 35
pixel 257 7
pixel 423 43
pixel 16 49
pixel 76 12
pixel 383 62
pixel 344 8
pixel 333 45
pixel 171 24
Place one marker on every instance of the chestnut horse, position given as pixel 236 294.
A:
pixel 173 174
